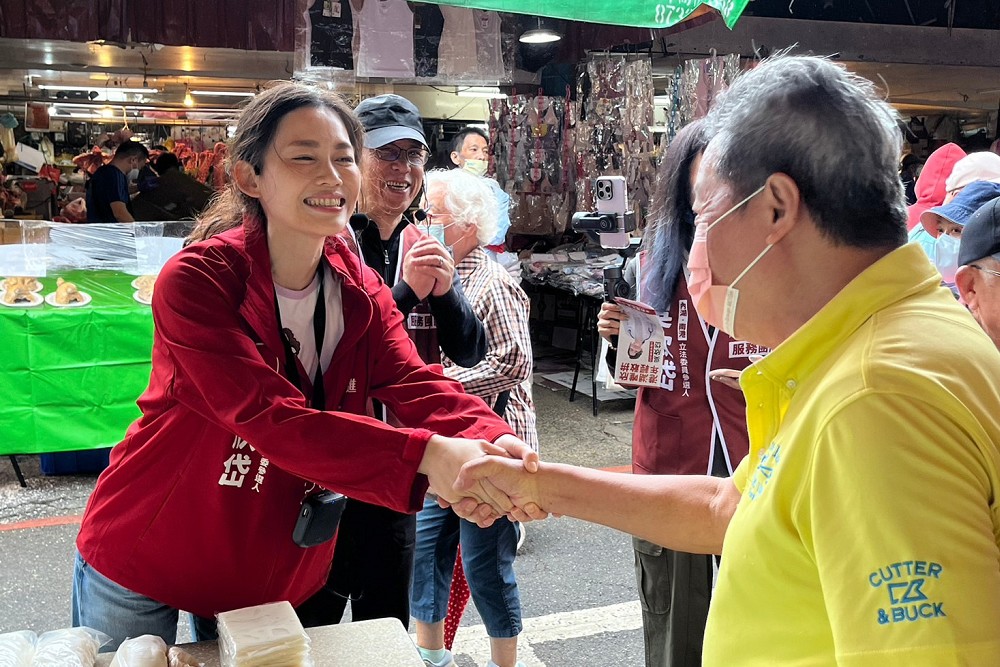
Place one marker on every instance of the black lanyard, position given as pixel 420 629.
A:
pixel 319 329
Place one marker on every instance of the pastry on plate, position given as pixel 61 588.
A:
pixel 18 295
pixel 67 293
pixel 14 283
pixel 144 282
pixel 146 288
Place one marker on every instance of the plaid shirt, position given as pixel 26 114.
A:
pixel 502 306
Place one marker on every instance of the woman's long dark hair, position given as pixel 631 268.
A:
pixel 255 132
pixel 670 235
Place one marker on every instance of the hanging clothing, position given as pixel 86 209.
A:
pixel 386 40
pixel 428 25
pixel 332 23
pixel 457 53
pixel 488 51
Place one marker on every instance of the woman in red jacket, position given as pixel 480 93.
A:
pixel 270 339
pixel 687 425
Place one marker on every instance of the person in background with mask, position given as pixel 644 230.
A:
pixel 978 277
pixel 948 220
pixel 108 191
pixel 470 151
pixel 930 191
pixel 862 528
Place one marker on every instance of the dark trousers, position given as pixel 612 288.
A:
pixel 674 590
pixel 372 567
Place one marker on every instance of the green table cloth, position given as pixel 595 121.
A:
pixel 69 377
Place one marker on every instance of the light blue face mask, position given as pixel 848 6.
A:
pixel 503 224
pixel 946 256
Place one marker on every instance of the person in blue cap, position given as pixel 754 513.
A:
pixel 950 219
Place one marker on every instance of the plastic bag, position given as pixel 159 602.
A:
pixel 178 657
pixel 17 649
pixel 142 651
pixel 70 647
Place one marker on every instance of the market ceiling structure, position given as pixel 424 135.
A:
pixel 931 56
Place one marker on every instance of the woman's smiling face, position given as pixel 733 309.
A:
pixel 310 180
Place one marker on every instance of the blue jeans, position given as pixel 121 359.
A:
pixel 488 561
pixel 102 604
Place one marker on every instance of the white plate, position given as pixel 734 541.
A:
pixel 51 300
pixel 36 301
pixel 136 284
pixel 135 295
pixel 3 285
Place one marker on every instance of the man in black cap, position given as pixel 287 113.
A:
pixel 978 276
pixel 373 561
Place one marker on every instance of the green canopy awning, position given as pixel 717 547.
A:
pixel 637 13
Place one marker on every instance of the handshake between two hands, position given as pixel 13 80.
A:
pixel 484 481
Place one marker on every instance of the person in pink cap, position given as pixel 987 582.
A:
pixel 930 186
pixel 931 191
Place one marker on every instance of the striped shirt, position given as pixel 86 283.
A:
pixel 502 306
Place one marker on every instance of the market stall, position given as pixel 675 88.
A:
pixel 72 371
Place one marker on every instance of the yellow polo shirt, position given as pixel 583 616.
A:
pixel 868 529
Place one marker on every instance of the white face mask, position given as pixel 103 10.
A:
pixel 133 175
pixel 946 256
pixel 476 167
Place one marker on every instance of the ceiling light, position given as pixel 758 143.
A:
pixel 99 88
pixel 491 92
pixel 539 35
pixel 224 93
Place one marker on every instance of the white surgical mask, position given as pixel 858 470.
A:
pixel 133 175
pixel 476 167
pixel 946 256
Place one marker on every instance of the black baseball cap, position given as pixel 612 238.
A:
pixel 981 236
pixel 389 118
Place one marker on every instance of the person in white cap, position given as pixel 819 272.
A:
pixel 982 166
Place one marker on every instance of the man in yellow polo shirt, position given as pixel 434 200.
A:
pixel 863 527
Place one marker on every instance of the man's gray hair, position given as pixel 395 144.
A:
pixel 827 129
pixel 469 200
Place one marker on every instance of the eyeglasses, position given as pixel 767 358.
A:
pixel 985 270
pixel 416 157
pixel 435 217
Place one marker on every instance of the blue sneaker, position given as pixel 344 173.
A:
pixel 427 656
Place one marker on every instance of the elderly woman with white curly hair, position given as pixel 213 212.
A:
pixel 466 210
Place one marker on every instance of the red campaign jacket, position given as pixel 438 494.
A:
pixel 197 507
pixel 673 432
